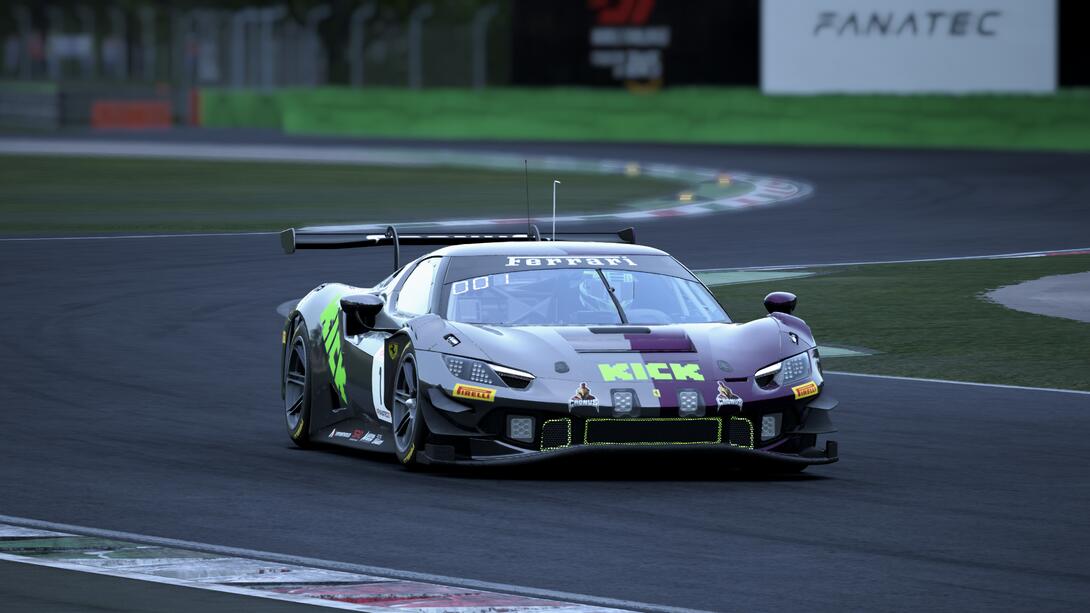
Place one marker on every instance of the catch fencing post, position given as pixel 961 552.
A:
pixel 86 17
pixel 356 38
pixel 269 53
pixel 239 22
pixel 180 25
pixel 56 31
pixel 416 43
pixel 312 45
pixel 480 44
pixel 148 40
pixel 26 31
pixel 119 43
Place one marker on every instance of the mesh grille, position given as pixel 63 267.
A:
pixel 654 431
pixel 555 433
pixel 740 433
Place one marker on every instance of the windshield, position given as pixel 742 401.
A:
pixel 579 296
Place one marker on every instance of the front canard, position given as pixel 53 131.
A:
pixel 472 392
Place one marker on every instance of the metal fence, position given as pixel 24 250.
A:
pixel 266 46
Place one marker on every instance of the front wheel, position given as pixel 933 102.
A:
pixel 297 387
pixel 410 431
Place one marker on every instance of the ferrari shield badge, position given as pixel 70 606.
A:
pixel 726 397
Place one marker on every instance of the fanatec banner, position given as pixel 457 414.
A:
pixel 908 46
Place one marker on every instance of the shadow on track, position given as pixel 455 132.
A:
pixel 688 465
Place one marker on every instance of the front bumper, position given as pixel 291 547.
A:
pixel 559 435
pixel 467 429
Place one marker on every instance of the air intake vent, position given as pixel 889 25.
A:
pixel 740 433
pixel 515 382
pixel 555 433
pixel 621 330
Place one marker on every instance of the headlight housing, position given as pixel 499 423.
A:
pixel 485 373
pixel 794 368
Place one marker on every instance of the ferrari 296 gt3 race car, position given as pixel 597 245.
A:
pixel 501 348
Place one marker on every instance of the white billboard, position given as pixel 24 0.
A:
pixel 908 46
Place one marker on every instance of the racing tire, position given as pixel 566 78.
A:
pixel 409 430
pixel 297 384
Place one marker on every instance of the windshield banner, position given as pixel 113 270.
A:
pixel 469 267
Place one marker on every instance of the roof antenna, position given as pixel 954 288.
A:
pixel 555 183
pixel 526 175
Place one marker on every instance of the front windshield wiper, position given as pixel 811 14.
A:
pixel 613 296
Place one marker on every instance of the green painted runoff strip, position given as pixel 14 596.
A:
pixel 1059 121
pixel 927 320
pixel 737 277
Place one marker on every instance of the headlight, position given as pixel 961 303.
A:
pixel 477 371
pixel 788 371
pixel 795 368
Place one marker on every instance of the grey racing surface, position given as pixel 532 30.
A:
pixel 868 204
pixel 141 394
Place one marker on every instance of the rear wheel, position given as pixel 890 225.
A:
pixel 410 431
pixel 297 388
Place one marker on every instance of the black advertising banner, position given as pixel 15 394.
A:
pixel 640 44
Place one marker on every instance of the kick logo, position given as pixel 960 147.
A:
pixel 654 371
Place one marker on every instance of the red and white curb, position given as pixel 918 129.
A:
pixel 277 577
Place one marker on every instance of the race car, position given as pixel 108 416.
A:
pixel 507 348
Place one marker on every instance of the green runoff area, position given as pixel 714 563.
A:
pixel 70 195
pixel 930 320
pixel 1059 121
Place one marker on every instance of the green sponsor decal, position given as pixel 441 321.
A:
pixel 331 337
pixel 654 371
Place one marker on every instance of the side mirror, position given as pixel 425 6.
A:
pixel 360 311
pixel 781 302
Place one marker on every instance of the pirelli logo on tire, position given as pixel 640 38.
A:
pixel 472 392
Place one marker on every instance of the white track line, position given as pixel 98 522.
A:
pixel 969 383
pixel 347 567
pixel 994 256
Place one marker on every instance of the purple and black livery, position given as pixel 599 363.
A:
pixel 508 348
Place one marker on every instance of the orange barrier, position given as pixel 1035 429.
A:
pixel 132 114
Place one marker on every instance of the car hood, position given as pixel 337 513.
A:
pixel 663 356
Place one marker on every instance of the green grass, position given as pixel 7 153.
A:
pixel 928 320
pixel 704 115
pixel 62 195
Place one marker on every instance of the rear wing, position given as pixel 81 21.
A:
pixel 331 238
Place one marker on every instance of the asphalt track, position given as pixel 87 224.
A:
pixel 141 394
